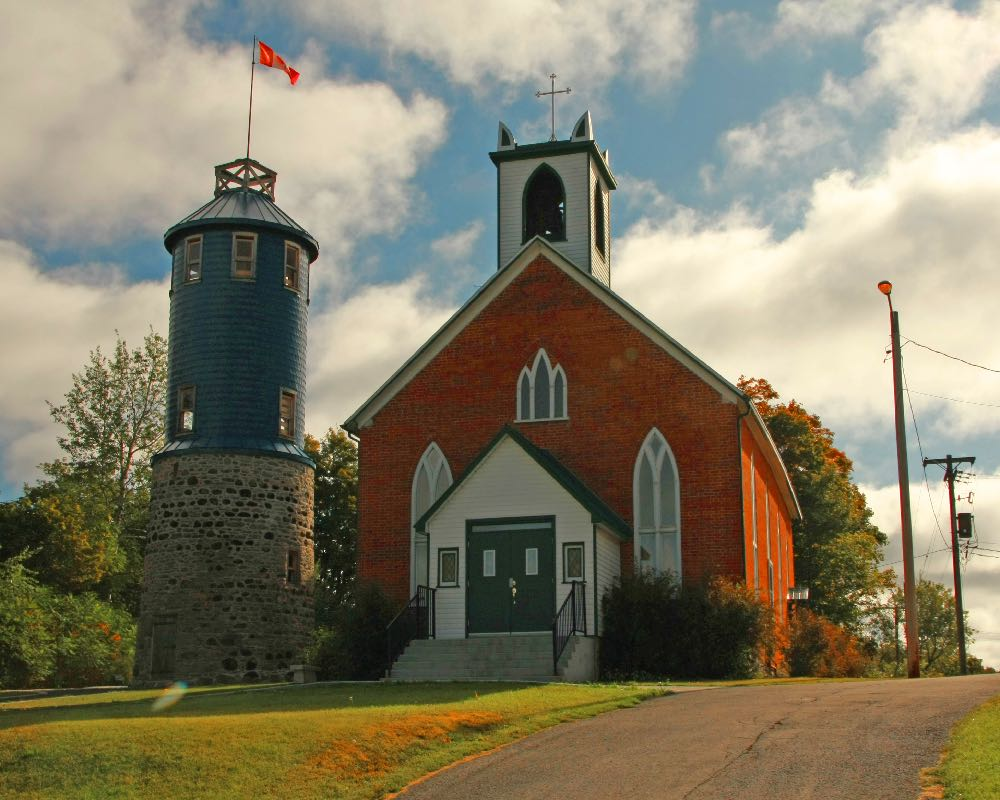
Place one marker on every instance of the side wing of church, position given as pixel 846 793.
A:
pixel 549 436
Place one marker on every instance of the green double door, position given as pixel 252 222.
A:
pixel 511 576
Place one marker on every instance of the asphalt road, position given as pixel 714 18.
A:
pixel 836 741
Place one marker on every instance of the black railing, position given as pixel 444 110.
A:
pixel 570 618
pixel 415 621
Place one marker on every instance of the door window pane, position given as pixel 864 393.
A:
pixel 531 561
pixel 489 563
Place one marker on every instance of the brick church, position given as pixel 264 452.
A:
pixel 550 436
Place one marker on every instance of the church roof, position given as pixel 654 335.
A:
pixel 600 512
pixel 241 205
pixel 501 279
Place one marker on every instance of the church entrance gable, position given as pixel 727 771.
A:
pixel 511 569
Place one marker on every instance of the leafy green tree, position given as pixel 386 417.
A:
pixel 837 547
pixel 336 520
pixel 27 641
pixel 938 631
pixel 113 418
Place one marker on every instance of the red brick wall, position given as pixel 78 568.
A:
pixel 619 385
pixel 781 524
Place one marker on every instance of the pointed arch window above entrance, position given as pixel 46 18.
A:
pixel 541 391
pixel 430 480
pixel 544 205
pixel 656 507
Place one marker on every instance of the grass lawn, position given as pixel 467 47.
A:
pixel 971 767
pixel 336 741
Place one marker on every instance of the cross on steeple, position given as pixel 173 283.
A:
pixel 553 94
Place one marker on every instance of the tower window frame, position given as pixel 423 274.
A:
pixel 293 267
pixel 600 224
pixel 286 413
pixel 542 391
pixel 244 266
pixel 186 397
pixel 193 246
pixel 293 566
pixel 543 206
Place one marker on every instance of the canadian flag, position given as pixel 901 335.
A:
pixel 271 59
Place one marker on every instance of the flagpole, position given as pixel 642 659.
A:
pixel 253 61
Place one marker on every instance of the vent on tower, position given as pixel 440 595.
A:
pixel 505 139
pixel 584 128
pixel 245 173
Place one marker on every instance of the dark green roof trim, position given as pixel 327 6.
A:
pixel 600 512
pixel 241 208
pixel 565 147
pixel 265 449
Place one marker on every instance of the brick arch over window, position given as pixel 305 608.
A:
pixel 541 390
pixel 656 507
pixel 430 479
pixel 544 205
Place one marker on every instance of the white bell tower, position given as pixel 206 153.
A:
pixel 559 190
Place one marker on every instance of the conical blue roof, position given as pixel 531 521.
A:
pixel 241 206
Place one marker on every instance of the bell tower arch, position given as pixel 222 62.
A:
pixel 558 190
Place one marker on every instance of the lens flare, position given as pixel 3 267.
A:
pixel 170 697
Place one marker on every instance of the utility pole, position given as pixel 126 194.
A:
pixel 950 473
pixel 909 583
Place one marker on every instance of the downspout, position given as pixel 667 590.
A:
pixel 739 453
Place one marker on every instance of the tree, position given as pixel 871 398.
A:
pixel 336 520
pixel 113 416
pixel 837 547
pixel 938 630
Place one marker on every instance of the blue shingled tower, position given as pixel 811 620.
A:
pixel 227 592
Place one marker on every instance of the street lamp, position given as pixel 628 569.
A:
pixel 909 584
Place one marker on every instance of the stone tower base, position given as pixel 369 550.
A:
pixel 228 588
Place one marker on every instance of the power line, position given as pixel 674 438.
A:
pixel 953 399
pixel 920 447
pixel 954 358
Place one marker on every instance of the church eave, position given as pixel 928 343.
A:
pixel 547 149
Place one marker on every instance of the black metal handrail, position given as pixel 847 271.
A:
pixel 414 621
pixel 571 618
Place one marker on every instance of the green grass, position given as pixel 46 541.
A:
pixel 971 767
pixel 336 741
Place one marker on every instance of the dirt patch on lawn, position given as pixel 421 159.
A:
pixel 379 748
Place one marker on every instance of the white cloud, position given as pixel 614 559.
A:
pixel 794 128
pixel 503 42
pixel 128 113
pixel 52 321
pixel 356 346
pixel 929 221
pixel 458 245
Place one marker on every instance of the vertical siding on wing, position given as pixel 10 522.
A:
pixel 609 569
pixel 508 482
pixel 574 170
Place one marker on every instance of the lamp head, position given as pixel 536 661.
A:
pixel 885 287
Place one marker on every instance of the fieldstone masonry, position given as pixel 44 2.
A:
pixel 228 588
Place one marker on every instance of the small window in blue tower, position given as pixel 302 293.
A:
pixel 244 255
pixel 185 410
pixel 286 414
pixel 293 255
pixel 192 259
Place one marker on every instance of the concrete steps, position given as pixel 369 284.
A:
pixel 492 658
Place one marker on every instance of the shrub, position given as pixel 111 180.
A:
pixel 353 647
pixel 27 641
pixel 95 642
pixel 818 647
pixel 655 628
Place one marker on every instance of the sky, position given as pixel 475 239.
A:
pixel 774 162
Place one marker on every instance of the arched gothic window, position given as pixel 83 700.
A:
pixel 430 480
pixel 541 390
pixel 545 205
pixel 656 506
pixel 600 237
